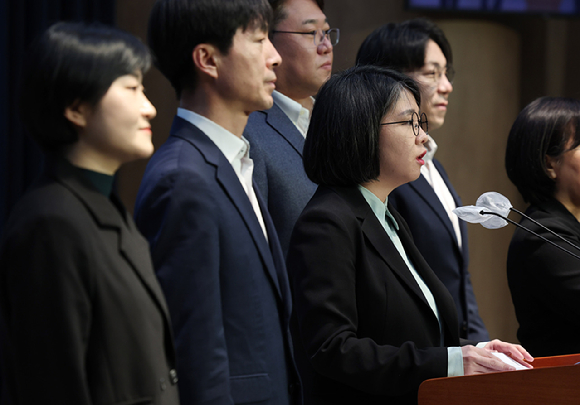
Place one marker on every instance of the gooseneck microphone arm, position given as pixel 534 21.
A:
pixel 545 228
pixel 482 212
pixel 495 204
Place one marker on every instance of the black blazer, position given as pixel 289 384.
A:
pixel 545 282
pixel 435 238
pixel 368 334
pixel 85 318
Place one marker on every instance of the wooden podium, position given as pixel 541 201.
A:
pixel 552 381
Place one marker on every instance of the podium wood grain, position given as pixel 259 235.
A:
pixel 553 380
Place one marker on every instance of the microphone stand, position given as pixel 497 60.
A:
pixel 482 212
pixel 545 228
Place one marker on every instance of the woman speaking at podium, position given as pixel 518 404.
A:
pixel 373 320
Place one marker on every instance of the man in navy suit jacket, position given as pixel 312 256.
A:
pixel 300 34
pixel 214 247
pixel 420 49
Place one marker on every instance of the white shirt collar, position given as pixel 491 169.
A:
pixel 433 177
pixel 235 149
pixel 431 147
pixel 299 115
pixel 230 145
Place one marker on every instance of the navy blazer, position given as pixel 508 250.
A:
pixel 545 282
pixel 85 318
pixel 435 238
pixel 276 148
pixel 226 285
pixel 368 333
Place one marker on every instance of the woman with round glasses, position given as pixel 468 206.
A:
pixel 84 316
pixel 373 320
pixel 420 49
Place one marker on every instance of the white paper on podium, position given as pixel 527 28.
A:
pixel 509 360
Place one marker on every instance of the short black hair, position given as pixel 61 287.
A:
pixel 73 62
pixel 280 14
pixel 545 127
pixel 402 46
pixel 176 27
pixel 342 144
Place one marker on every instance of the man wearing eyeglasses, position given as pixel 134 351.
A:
pixel 420 49
pixel 303 38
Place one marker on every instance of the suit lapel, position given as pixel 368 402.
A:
pixel 280 122
pixel 132 246
pixel 230 183
pixel 135 250
pixel 381 242
pixel 458 203
pixel 427 194
pixel 379 239
pixel 443 299
pixel 281 278
pixel 389 253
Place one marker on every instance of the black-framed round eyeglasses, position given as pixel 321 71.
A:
pixel 416 121
pixel 333 35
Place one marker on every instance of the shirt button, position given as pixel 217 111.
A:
pixel 173 376
pixel 162 384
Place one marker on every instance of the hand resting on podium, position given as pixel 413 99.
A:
pixel 481 360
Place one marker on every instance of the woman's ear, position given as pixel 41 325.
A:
pixel 204 59
pixel 77 113
pixel 551 167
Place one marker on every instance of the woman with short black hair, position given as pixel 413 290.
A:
pixel 84 316
pixel 419 48
pixel 373 320
pixel 543 161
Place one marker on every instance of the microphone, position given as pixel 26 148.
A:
pixel 491 210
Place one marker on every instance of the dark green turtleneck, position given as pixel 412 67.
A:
pixel 102 182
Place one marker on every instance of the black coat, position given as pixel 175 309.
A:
pixel 85 318
pixel 545 282
pixel 435 238
pixel 368 334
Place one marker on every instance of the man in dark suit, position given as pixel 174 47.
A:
pixel 301 35
pixel 420 49
pixel 214 247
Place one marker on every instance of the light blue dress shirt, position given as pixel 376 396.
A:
pixel 386 219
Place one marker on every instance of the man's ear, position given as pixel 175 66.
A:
pixel 551 166
pixel 206 59
pixel 77 113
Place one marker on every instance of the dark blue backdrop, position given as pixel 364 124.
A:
pixel 20 22
pixel 556 7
